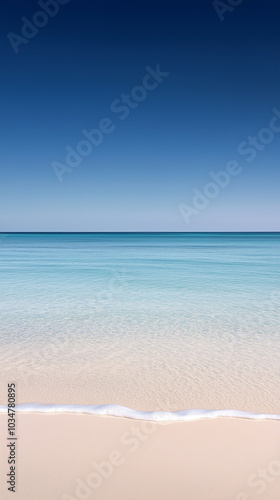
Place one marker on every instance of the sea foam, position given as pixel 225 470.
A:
pixel 122 411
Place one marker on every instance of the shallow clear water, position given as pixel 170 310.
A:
pixel 149 321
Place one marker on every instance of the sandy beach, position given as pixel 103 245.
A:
pixel 80 457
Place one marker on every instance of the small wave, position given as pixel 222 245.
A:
pixel 122 411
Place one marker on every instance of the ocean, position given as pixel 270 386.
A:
pixel 151 321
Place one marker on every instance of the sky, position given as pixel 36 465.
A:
pixel 143 115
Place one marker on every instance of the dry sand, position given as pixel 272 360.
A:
pixel 68 457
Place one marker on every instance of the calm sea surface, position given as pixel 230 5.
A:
pixel 149 321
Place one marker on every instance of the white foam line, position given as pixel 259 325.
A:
pixel 122 411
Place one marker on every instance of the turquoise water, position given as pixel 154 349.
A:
pixel 150 321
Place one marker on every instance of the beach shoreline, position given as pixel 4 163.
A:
pixel 125 412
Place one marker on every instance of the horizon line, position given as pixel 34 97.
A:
pixel 139 232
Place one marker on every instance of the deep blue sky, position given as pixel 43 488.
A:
pixel 224 82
